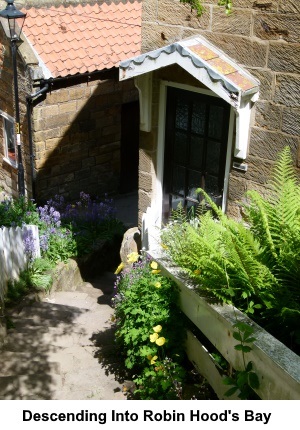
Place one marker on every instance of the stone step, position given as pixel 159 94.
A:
pixel 47 313
pixel 75 299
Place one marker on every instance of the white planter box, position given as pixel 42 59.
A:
pixel 277 367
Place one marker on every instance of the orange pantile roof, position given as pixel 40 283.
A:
pixel 84 38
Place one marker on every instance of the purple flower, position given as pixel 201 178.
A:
pixel 29 244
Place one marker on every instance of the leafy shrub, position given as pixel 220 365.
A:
pixel 254 265
pixel 150 331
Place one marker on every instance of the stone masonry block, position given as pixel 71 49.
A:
pixel 68 107
pixel 144 201
pixel 268 115
pixel 59 96
pixel 156 36
pixel 149 12
pixel 237 23
pixel 289 6
pixel 277 26
pixel 291 121
pixel 287 90
pixel 148 140
pixel 247 52
pixel 266 80
pixel 266 145
pixel 145 161
pixel 258 170
pixel 170 12
pixel 284 57
pixel 237 188
pixel 145 182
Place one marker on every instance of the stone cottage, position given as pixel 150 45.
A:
pixel 219 99
pixel 79 124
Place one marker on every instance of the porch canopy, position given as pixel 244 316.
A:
pixel 208 65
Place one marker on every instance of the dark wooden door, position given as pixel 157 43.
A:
pixel 129 147
pixel 195 148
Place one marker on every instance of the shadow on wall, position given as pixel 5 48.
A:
pixel 79 140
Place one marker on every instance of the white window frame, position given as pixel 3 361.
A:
pixel 5 120
pixel 153 217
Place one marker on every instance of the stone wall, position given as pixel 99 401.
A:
pixel 264 40
pixel 77 133
pixel 8 173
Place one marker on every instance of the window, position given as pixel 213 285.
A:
pixel 9 139
pixel 196 138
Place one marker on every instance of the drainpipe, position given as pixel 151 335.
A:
pixel 29 101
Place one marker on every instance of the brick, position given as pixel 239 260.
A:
pixel 291 121
pixel 237 23
pixel 266 145
pixel 284 57
pixel 287 90
pixel 268 115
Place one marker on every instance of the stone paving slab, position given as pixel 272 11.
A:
pixel 55 350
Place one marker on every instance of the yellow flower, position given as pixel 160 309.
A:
pixel 153 359
pixel 157 284
pixel 197 272
pixel 155 272
pixel 132 257
pixel 164 246
pixel 157 328
pixel 160 341
pixel 153 337
pixel 119 268
pixel 154 265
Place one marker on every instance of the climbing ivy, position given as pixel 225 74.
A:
pixel 199 8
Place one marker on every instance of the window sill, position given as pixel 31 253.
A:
pixel 11 163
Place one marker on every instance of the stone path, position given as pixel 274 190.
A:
pixel 62 348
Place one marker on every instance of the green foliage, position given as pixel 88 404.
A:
pixel 35 278
pixel 150 331
pixel 14 213
pixel 195 5
pixel 254 264
pixel 243 381
pixel 199 8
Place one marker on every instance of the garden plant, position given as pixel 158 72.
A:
pixel 66 230
pixel 150 331
pixel 254 263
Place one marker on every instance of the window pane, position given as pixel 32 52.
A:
pixel 193 184
pixel 212 186
pixel 215 123
pixel 196 151
pixel 182 111
pixel 10 139
pixel 180 147
pixel 198 118
pixel 178 180
pixel 176 201
pixel 213 157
